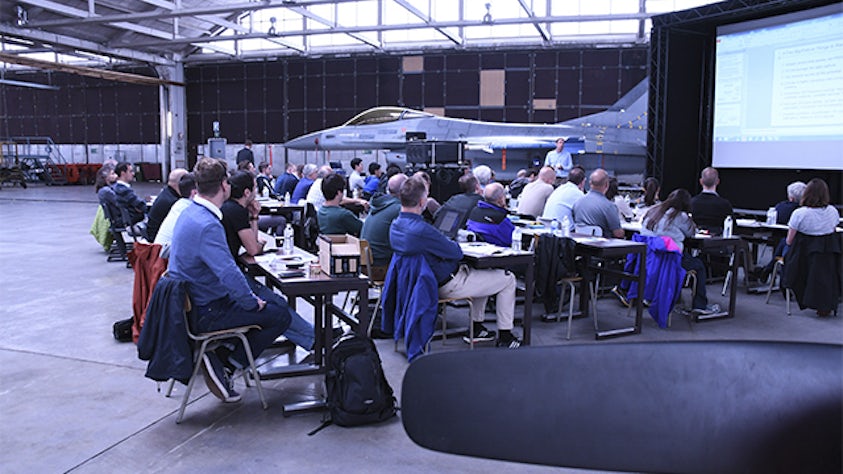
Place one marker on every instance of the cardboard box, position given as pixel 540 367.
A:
pixel 339 255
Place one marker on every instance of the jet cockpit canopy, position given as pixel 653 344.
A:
pixel 386 115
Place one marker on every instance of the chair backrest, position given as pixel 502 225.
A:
pixel 588 230
pixel 640 412
pixel 310 229
pixel 112 210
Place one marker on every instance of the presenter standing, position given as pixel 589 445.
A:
pixel 559 160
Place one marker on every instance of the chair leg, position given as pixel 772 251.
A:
pixel 787 299
pixel 729 275
pixel 773 280
pixel 562 288
pixel 571 307
pixel 253 369
pixel 170 388
pixel 197 364
pixel 593 297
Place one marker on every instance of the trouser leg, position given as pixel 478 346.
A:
pixel 694 263
pixel 300 332
pixel 479 285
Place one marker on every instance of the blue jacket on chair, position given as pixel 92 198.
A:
pixel 411 297
pixel 664 276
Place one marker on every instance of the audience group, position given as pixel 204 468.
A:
pixel 204 219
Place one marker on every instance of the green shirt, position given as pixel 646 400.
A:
pixel 338 220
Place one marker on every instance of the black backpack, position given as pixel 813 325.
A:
pixel 357 390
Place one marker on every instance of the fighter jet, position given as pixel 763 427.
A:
pixel 615 139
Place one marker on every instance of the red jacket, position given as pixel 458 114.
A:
pixel 148 268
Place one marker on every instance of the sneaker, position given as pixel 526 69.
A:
pixel 709 309
pixel 508 341
pixel 480 335
pixel 218 379
pixel 621 296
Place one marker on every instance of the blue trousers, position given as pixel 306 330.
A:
pixel 275 319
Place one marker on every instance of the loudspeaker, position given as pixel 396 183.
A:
pixel 434 152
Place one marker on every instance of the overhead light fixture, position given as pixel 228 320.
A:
pixel 272 21
pixel 487 18
pixel 33 85
pixel 22 16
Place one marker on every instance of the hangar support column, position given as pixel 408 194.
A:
pixel 173 113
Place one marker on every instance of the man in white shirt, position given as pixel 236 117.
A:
pixel 535 194
pixel 187 188
pixel 355 181
pixel 561 201
pixel 559 159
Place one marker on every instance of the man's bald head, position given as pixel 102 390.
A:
pixel 547 174
pixel 325 170
pixel 395 182
pixel 495 194
pixel 709 178
pixel 599 180
pixel 175 176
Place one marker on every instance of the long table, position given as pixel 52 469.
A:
pixel 507 258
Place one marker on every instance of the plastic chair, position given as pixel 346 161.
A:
pixel 116 217
pixel 208 342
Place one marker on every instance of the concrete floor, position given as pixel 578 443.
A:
pixel 74 399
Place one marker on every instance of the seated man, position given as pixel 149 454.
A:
pixel 488 220
pixel 385 208
pixel 308 176
pixel 561 202
pixel 163 202
pixel 594 209
pixel 370 185
pixel 534 196
pixel 222 296
pixel 286 183
pixel 265 180
pixel 240 230
pixel 411 235
pixel 332 218
pixel 356 182
pixel 315 195
pixel 126 197
pixel 523 178
pixel 708 209
pixel 465 201
pixel 187 188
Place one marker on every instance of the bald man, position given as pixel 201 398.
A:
pixel 708 209
pixel 488 220
pixel 534 196
pixel 595 209
pixel 163 202
pixel 384 209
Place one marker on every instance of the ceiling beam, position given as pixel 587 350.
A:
pixel 332 26
pixel 231 8
pixel 87 71
pixel 415 11
pixel 530 14
pixel 407 26
pixel 34 85
pixel 83 45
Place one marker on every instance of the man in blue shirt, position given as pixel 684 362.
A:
pixel 559 159
pixel 221 295
pixel 488 220
pixel 411 235
pixel 308 176
pixel 286 183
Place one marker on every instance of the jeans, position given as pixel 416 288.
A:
pixel 300 332
pixel 223 313
pixel 694 263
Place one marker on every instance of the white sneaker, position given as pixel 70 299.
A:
pixel 709 309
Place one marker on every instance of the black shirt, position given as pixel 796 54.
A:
pixel 160 208
pixel 245 154
pixel 464 203
pixel 709 210
pixel 234 219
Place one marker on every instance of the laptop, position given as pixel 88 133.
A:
pixel 449 222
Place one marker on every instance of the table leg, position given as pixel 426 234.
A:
pixel 528 304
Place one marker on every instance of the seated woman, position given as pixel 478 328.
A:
pixel 815 217
pixel 671 219
pixel 652 188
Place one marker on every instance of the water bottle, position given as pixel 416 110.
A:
pixel 554 228
pixel 566 226
pixel 516 239
pixel 772 216
pixel 265 192
pixel 287 199
pixel 727 227
pixel 288 239
pixel 355 193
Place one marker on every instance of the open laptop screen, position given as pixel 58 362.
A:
pixel 448 222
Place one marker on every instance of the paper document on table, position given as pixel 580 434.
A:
pixel 483 249
pixel 748 223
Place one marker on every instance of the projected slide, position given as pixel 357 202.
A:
pixel 778 92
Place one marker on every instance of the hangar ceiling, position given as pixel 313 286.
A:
pixel 165 32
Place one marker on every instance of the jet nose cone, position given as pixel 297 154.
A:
pixel 304 142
